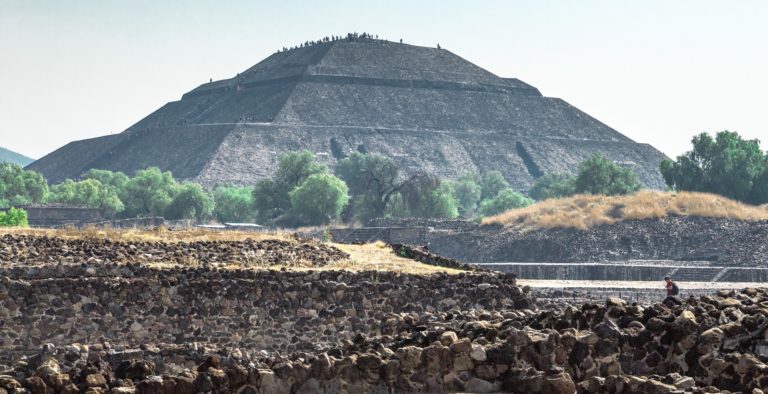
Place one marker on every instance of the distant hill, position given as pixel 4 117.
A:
pixel 13 157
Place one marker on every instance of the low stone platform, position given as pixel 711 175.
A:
pixel 637 270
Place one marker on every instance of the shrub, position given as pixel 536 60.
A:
pixel 599 175
pixel 506 199
pixel 319 199
pixel 271 196
pixel 190 202
pixel 553 186
pixel 491 183
pixel 14 218
pixel 233 204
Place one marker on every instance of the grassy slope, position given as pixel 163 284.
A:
pixel 13 157
pixel 585 211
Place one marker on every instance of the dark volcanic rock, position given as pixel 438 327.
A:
pixel 31 249
pixel 732 242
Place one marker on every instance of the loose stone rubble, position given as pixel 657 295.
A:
pixel 124 328
pixel 30 249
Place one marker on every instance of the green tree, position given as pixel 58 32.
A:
pixel 505 200
pixel 428 197
pixel 271 197
pixel 467 193
pixel 190 202
pixel 599 175
pixel 553 186
pixel 491 183
pixel 148 193
pixel 13 218
pixel 759 193
pixel 372 180
pixel 90 193
pixel 233 204
pixel 319 199
pixel 727 165
pixel 115 180
pixel 18 186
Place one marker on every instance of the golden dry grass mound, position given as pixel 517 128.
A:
pixel 585 211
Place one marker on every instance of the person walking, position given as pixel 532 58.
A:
pixel 672 289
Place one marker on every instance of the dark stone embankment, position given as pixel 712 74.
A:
pixel 685 238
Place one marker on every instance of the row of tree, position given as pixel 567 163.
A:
pixel 725 164
pixel 150 192
pixel 364 186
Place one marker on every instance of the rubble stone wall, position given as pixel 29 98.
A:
pixel 270 310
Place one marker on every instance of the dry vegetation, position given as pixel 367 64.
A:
pixel 160 234
pixel 379 256
pixel 585 211
pixel 376 256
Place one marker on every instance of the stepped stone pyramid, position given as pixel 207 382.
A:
pixel 427 108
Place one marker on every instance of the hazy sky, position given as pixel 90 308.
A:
pixel 657 71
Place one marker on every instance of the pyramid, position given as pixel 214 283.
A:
pixel 427 108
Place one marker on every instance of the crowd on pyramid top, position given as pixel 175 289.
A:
pixel 349 37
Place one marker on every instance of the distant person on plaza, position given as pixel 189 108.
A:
pixel 672 289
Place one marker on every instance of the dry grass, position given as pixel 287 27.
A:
pixel 585 211
pixel 156 235
pixel 377 256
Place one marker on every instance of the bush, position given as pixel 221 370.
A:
pixel 190 202
pixel 506 199
pixel 271 196
pixel 553 186
pixel 14 218
pixel 599 175
pixel 319 199
pixel 373 180
pixel 18 186
pixel 429 197
pixel 90 193
pixel 233 204
pixel 149 193
pixel 467 193
pixel 726 165
pixel 491 183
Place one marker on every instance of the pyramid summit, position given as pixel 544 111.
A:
pixel 427 108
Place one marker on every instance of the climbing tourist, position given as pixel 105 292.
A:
pixel 672 289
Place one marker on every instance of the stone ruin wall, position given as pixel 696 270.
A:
pixel 131 305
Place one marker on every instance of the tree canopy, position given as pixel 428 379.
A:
pixel 505 200
pixel 319 199
pixel 18 186
pixel 553 186
pixel 599 175
pixel 726 164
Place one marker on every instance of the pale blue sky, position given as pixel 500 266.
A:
pixel 657 71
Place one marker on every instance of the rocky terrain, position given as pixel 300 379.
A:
pixel 727 241
pixel 31 249
pixel 123 327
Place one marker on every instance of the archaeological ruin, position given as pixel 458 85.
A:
pixel 427 108
pixel 84 314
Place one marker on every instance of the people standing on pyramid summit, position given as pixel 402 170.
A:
pixel 350 37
